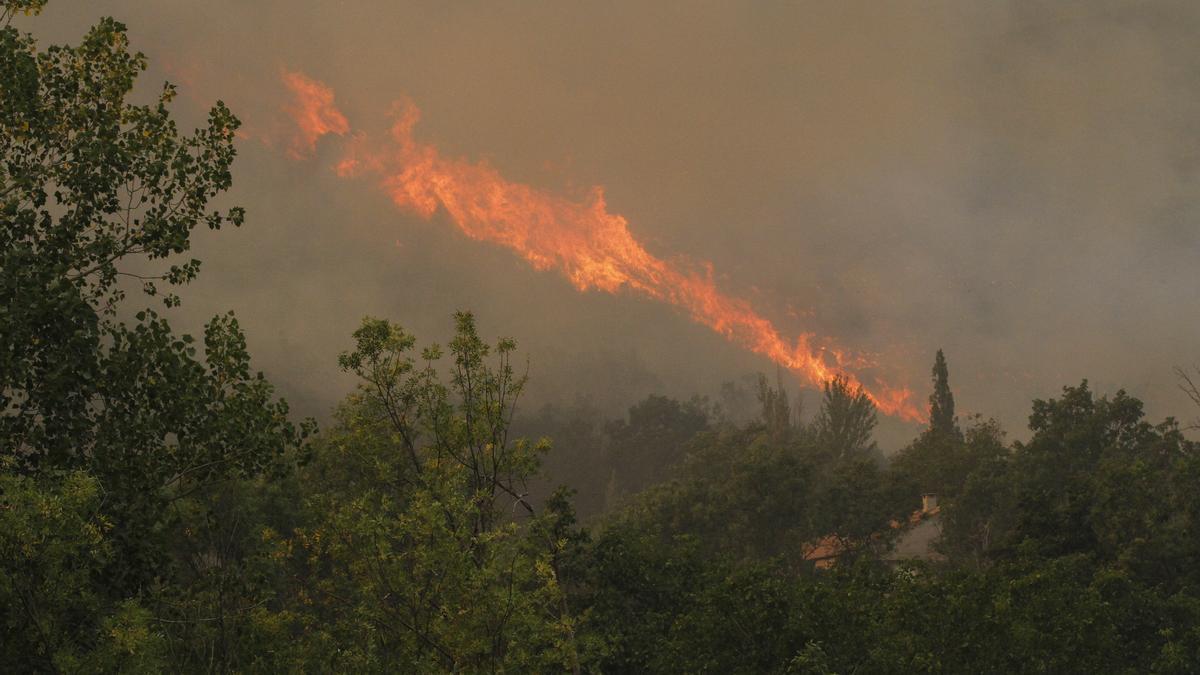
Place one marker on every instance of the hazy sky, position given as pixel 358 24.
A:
pixel 1017 183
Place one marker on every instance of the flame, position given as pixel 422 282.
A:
pixel 592 247
pixel 314 113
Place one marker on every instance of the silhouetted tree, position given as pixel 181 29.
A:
pixel 776 412
pixel 737 401
pixel 941 401
pixel 847 419
pixel 1190 387
pixel 940 458
pixel 647 445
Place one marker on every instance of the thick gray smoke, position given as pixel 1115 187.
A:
pixel 1016 183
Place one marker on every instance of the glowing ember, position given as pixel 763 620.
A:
pixel 592 247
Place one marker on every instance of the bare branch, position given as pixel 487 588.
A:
pixel 1190 387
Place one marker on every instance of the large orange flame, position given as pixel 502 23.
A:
pixel 314 113
pixel 592 247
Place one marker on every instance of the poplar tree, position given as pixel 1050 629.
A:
pixel 114 428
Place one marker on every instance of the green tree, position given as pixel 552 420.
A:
pixel 1097 477
pixel 941 401
pixel 98 200
pixel 847 419
pixel 939 460
pixel 424 551
pixel 740 493
pixel 776 411
pixel 578 460
pixel 54 540
pixel 647 445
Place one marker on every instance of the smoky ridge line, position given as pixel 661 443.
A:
pixel 582 240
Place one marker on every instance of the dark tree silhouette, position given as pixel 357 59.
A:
pixel 941 401
pixel 846 421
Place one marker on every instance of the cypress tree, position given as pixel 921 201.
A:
pixel 941 402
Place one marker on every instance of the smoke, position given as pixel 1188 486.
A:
pixel 589 245
pixel 1013 182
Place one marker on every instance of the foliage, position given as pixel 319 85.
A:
pixel 53 541
pixel 412 558
pixel 941 402
pixel 652 441
pixel 579 458
pixel 160 511
pixel 739 494
pixel 843 427
pixel 762 491
pixel 98 195
pixel 776 411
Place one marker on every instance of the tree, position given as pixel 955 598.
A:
pixel 1095 479
pixel 53 540
pixel 740 493
pixel 737 401
pixel 1191 388
pixel 776 411
pixel 939 460
pixel 941 401
pixel 847 419
pixel 653 440
pixel 423 550
pixel 578 459
pixel 979 513
pixel 98 200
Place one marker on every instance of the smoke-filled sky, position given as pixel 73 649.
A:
pixel 1016 183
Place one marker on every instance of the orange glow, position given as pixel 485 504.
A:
pixel 582 240
pixel 314 113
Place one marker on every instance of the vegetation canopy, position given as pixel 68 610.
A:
pixel 162 510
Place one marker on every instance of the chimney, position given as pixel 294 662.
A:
pixel 928 502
